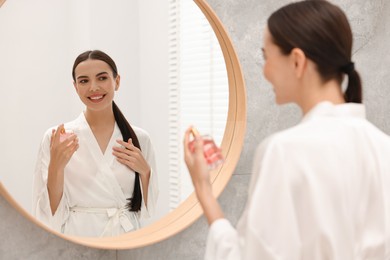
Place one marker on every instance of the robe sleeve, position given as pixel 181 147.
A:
pixel 41 202
pixel 268 227
pixel 153 191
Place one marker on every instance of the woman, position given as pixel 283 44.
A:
pixel 321 189
pixel 99 179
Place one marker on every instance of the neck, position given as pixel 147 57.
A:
pixel 102 118
pixel 314 94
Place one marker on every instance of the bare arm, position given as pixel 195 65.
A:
pixel 200 176
pixel 60 154
pixel 55 188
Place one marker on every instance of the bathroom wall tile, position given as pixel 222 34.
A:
pixel 20 239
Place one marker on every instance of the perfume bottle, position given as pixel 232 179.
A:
pixel 64 134
pixel 211 151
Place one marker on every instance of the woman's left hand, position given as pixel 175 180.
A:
pixel 132 157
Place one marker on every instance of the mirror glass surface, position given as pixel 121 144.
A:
pixel 172 75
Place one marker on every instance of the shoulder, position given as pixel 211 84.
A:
pixel 318 137
pixel 140 132
pixel 374 130
pixel 288 136
pixel 142 135
pixel 301 137
pixel 144 140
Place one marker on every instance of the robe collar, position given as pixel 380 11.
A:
pixel 328 109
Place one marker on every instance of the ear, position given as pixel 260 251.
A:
pixel 117 82
pixel 299 60
pixel 75 86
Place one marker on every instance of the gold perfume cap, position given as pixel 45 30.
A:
pixel 194 131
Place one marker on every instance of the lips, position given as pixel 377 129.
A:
pixel 96 98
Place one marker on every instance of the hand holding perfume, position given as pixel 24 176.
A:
pixel 211 151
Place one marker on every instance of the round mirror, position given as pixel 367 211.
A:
pixel 147 45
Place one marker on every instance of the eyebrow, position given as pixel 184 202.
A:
pixel 101 73
pixel 97 75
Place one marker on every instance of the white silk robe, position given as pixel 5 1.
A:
pixel 96 186
pixel 319 190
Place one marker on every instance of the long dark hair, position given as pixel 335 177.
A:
pixel 322 31
pixel 127 131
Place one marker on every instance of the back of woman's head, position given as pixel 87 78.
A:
pixel 95 55
pixel 322 31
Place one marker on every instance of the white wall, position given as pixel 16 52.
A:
pixel 153 49
pixel 36 85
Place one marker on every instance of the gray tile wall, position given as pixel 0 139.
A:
pixel 244 20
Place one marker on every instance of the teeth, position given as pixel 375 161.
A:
pixel 97 97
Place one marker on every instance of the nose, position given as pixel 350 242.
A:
pixel 94 86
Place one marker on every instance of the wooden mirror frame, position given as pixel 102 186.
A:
pixel 189 210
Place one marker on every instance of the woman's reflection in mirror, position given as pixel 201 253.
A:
pixel 96 175
pixel 321 189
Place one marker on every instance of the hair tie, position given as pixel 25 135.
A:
pixel 349 68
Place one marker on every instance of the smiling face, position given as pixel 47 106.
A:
pixel 279 70
pixel 95 84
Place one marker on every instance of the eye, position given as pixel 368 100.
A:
pixel 102 78
pixel 83 81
